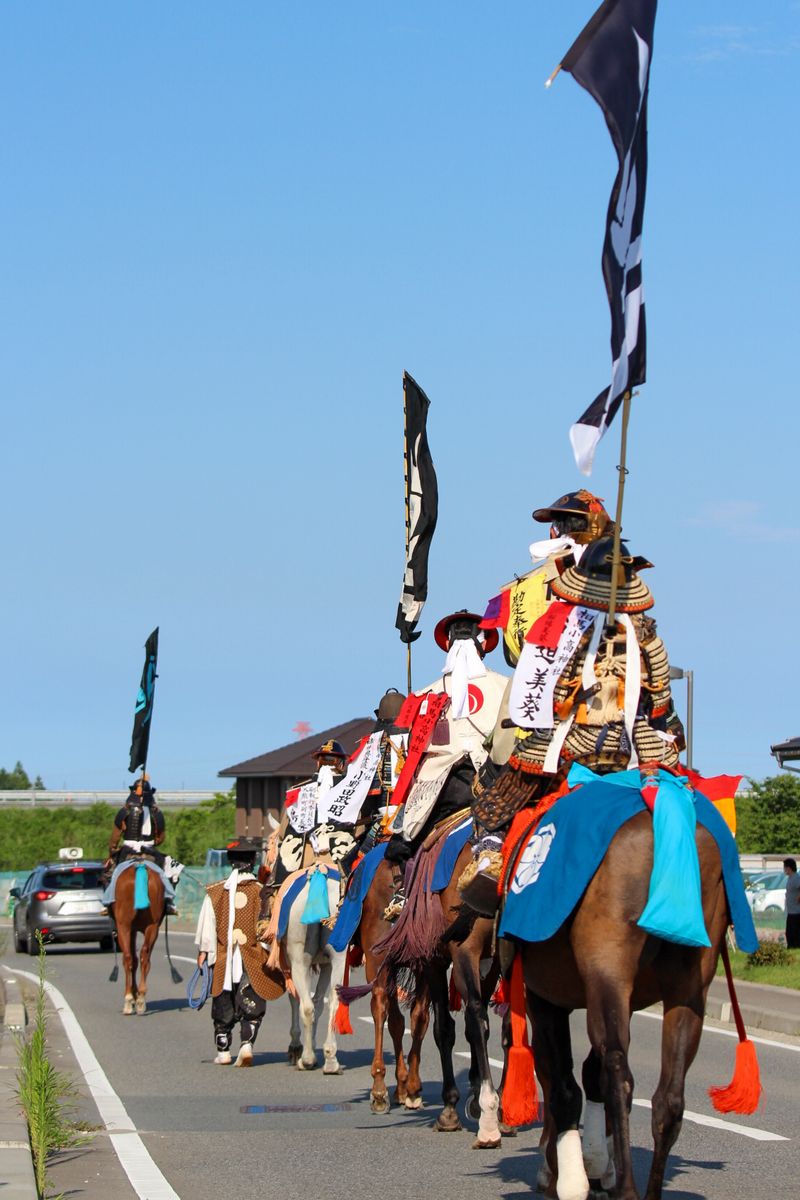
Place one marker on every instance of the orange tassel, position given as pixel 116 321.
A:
pixel 455 996
pixel 341 1021
pixel 520 1098
pixel 743 1093
pixel 341 1018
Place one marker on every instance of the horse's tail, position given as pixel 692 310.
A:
pixel 141 894
pixel 743 1093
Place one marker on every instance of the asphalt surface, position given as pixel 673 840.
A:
pixel 193 1120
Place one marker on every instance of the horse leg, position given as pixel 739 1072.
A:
pixel 295 1045
pixel 553 1053
pixel 680 1038
pixel 379 1006
pixel 608 1023
pixel 444 1032
pixel 125 937
pixel 420 1016
pixel 598 1146
pixel 466 973
pixel 335 976
pixel 397 1028
pixel 148 941
pixel 308 1058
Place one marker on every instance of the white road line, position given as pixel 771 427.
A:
pixel 749 1131
pixel 146 1179
pixel 731 1033
pixel 493 1062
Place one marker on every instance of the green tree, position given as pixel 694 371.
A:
pixel 17 780
pixel 768 820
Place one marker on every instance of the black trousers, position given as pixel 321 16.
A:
pixel 793 931
pixel 241 1005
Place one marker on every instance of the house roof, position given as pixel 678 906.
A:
pixel 788 751
pixel 294 761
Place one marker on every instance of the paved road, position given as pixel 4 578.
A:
pixel 192 1115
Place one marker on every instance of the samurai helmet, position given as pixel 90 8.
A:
pixel 589 582
pixel 464 624
pixel 332 753
pixel 579 515
pixel 389 705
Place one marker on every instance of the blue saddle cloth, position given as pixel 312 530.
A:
pixel 349 916
pixel 109 894
pixel 455 843
pixel 571 840
pixel 292 892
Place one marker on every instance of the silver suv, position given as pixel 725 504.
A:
pixel 62 901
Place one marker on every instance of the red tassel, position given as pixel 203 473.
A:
pixel 455 996
pixel 341 1018
pixel 341 1021
pixel 520 1097
pixel 743 1093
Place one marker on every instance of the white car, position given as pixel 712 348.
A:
pixel 769 894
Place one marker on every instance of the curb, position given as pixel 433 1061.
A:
pixel 16 1175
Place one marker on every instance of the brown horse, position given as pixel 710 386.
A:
pixel 130 922
pixel 602 961
pixel 385 1006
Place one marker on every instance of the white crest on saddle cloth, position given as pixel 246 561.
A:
pixel 530 704
pixel 342 803
pixel 533 858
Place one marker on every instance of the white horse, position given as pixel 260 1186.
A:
pixel 309 955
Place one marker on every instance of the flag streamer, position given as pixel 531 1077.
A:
pixel 422 508
pixel 143 712
pixel 611 60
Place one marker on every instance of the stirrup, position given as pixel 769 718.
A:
pixel 395 906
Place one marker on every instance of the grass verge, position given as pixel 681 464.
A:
pixel 776 974
pixel 47 1096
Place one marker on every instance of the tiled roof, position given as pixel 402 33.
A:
pixel 294 760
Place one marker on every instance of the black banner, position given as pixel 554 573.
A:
pixel 144 705
pixel 422 497
pixel 611 60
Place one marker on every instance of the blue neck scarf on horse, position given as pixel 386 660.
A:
pixel 569 844
pixel 109 895
pixel 317 907
pixel 292 892
pixel 349 916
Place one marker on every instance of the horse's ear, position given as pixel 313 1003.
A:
pixel 273 824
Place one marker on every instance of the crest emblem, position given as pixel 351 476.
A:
pixel 533 858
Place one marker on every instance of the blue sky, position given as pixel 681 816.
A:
pixel 227 231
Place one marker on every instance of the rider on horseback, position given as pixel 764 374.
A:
pixel 138 829
pixel 456 747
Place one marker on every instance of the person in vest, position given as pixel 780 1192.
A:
pixel 226 938
pixel 457 746
pixel 139 828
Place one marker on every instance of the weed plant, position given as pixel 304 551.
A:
pixel 47 1096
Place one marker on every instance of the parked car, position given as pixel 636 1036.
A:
pixel 769 895
pixel 62 901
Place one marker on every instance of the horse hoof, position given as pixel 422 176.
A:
pixel 507 1130
pixel 331 1068
pixel 141 1005
pixel 379 1104
pixel 293 1055
pixel 448 1124
pixel 127 1009
pixel 302 1065
pixel 412 1103
pixel 488 1144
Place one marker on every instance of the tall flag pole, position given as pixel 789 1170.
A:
pixel 143 712
pixel 422 509
pixel 611 60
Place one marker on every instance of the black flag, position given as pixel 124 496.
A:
pixel 422 508
pixel 144 705
pixel 611 59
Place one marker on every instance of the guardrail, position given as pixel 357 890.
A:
pixel 48 799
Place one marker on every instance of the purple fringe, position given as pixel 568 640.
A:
pixel 348 994
pixel 413 939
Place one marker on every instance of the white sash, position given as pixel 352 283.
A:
pixel 463 663
pixel 539 669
